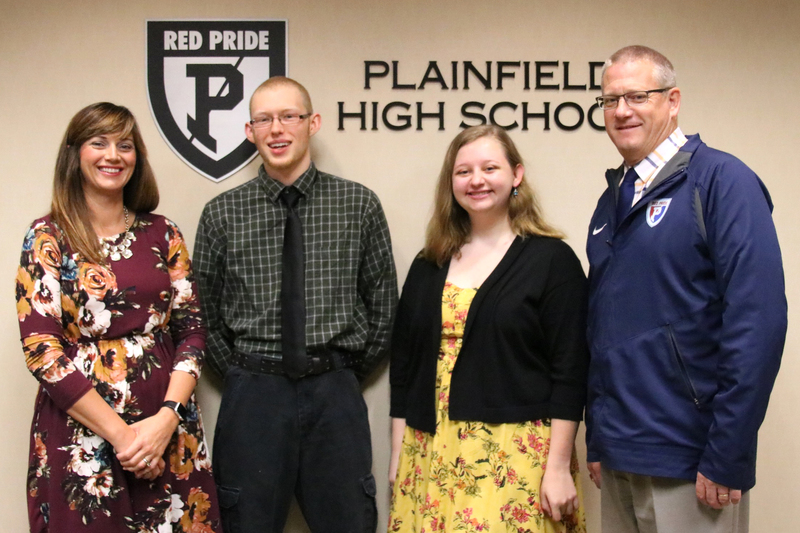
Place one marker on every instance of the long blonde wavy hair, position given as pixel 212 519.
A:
pixel 450 228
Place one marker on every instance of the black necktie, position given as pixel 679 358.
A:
pixel 626 192
pixel 293 302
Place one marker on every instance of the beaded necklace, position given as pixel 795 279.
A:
pixel 115 252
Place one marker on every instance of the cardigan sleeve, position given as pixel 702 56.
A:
pixel 401 364
pixel 563 315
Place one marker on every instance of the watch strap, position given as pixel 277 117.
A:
pixel 177 408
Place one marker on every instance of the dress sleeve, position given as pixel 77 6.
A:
pixel 47 318
pixel 186 324
pixel 377 286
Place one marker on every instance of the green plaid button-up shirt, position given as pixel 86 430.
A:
pixel 351 282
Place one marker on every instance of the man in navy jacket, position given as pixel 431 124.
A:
pixel 687 315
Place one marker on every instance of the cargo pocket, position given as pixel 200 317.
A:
pixel 229 508
pixel 370 507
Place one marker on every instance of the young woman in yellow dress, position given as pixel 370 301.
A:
pixel 489 357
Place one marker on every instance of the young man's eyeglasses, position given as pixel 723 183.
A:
pixel 287 119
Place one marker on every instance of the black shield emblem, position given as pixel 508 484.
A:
pixel 200 75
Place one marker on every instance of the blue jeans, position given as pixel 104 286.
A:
pixel 277 438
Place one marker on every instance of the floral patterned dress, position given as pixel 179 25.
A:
pixel 473 476
pixel 121 328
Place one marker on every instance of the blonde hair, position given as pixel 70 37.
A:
pixel 282 81
pixel 68 208
pixel 450 227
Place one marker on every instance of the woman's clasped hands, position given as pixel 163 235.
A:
pixel 142 452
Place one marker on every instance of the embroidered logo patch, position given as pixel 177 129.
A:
pixel 656 211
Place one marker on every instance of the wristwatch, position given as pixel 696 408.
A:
pixel 177 408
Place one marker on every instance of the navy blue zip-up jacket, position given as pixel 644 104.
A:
pixel 687 321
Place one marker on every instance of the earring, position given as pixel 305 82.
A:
pixel 514 192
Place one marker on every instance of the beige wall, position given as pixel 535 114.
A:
pixel 737 64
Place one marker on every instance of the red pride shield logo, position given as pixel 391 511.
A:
pixel 200 75
pixel 656 210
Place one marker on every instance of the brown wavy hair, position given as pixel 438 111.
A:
pixel 450 228
pixel 69 209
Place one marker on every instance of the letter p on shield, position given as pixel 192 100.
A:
pixel 205 103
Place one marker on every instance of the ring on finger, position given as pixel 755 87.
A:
pixel 146 461
pixel 723 496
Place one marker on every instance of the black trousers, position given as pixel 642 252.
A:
pixel 277 438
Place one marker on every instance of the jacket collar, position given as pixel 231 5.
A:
pixel 672 169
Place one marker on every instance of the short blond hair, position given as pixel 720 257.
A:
pixel 282 81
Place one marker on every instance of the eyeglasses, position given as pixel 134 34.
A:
pixel 287 119
pixel 633 98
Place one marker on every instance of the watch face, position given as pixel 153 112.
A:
pixel 179 409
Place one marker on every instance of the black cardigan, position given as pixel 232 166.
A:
pixel 524 354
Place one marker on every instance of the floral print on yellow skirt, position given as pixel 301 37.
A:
pixel 472 476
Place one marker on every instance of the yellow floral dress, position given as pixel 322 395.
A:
pixel 473 476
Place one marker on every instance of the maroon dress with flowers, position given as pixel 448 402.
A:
pixel 121 328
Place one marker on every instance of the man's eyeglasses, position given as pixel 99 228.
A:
pixel 633 98
pixel 287 119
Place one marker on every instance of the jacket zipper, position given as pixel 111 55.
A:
pixel 682 367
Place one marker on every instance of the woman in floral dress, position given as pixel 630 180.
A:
pixel 111 328
pixel 489 358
